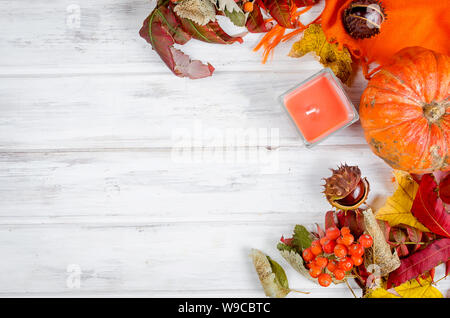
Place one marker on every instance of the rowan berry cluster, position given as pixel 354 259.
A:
pixel 335 254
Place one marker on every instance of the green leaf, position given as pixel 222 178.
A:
pixel 284 247
pixel 280 275
pixel 301 237
pixel 237 17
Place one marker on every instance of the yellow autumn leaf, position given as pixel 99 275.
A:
pixel 314 40
pixel 397 209
pixel 410 289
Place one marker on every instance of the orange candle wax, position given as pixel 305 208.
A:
pixel 319 107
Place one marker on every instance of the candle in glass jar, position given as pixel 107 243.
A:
pixel 319 107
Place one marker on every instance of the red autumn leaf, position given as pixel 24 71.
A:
pixel 447 267
pixel 288 241
pixel 304 3
pixel 420 262
pixel 280 10
pixel 444 189
pixel 162 30
pixel 329 220
pixel 386 228
pixel 210 33
pixel 399 238
pixel 414 236
pixel 353 220
pixel 429 209
pixel 320 232
pixel 255 21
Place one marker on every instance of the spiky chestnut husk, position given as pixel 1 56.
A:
pixel 363 18
pixel 345 189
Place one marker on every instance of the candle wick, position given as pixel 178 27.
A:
pixel 309 112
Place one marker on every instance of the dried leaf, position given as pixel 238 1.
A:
pixel 314 40
pixel 237 17
pixel 380 252
pixel 280 274
pixel 255 21
pixel 411 289
pixel 296 261
pixel 271 274
pixel 162 30
pixel 397 209
pixel 199 11
pixel 429 209
pixel 228 5
pixel 280 10
pixel 421 261
pixel 231 10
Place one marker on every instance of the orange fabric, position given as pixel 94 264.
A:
pixel 424 23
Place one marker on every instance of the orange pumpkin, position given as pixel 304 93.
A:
pixel 405 111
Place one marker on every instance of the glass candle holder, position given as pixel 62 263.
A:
pixel 319 107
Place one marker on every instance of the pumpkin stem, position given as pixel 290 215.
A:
pixel 434 111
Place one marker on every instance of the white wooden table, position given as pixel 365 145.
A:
pixel 96 196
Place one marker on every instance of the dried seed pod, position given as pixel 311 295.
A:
pixel 363 18
pixel 380 253
pixel 345 189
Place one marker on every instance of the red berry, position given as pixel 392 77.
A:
pixel 339 274
pixel 323 241
pixel 356 250
pixel 332 265
pixel 339 240
pixel 347 239
pixel 316 248
pixel 315 271
pixel 340 251
pixel 345 230
pixel 325 279
pixel 366 240
pixel 321 262
pixel 307 255
pixel 357 260
pixel 346 264
pixel 332 233
pixel 329 247
pixel 308 265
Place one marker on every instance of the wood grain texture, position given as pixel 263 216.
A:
pixel 94 170
pixel 156 185
pixel 109 111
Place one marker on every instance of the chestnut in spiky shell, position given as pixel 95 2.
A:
pixel 363 18
pixel 345 189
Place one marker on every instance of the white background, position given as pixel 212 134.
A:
pixel 89 116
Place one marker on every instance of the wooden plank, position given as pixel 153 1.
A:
pixel 142 111
pixel 253 184
pixel 189 259
pixel 102 37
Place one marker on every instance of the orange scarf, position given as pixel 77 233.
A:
pixel 424 23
